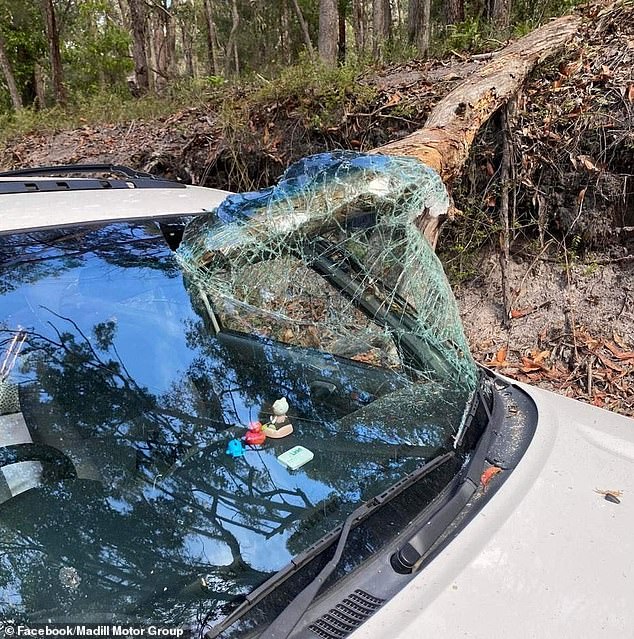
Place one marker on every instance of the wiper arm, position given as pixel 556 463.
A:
pixel 284 624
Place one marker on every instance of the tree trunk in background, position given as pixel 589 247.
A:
pixel 359 25
pixel 7 71
pixel 187 42
pixel 212 46
pixel 52 33
pixel 381 27
pixel 444 142
pixel 499 12
pixel 164 40
pixel 328 31
pixel 285 34
pixel 38 83
pixel 453 11
pixel 231 51
pixel 418 25
pixel 304 27
pixel 139 48
pixel 341 38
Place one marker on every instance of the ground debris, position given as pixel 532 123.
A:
pixel 600 373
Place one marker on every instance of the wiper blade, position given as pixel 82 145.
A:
pixel 284 624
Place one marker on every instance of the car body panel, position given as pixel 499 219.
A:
pixel 38 210
pixel 549 556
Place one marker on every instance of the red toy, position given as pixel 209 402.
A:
pixel 255 435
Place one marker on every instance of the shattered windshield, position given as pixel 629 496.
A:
pixel 174 428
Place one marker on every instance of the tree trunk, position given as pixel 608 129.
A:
pixel 304 27
pixel 444 143
pixel 359 25
pixel 212 46
pixel 38 83
pixel 187 42
pixel 52 33
pixel 381 27
pixel 499 12
pixel 453 11
pixel 418 25
pixel 328 31
pixel 7 71
pixel 341 38
pixel 139 48
pixel 231 51
pixel 164 40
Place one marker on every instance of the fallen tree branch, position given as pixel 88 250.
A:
pixel 453 124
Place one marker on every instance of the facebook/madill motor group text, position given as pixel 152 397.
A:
pixel 94 631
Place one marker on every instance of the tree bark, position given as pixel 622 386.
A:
pixel 212 46
pixel 359 25
pixel 328 31
pixel 341 38
pixel 499 12
pixel 453 11
pixel 304 28
pixel 381 27
pixel 139 49
pixel 7 71
pixel 52 33
pixel 231 50
pixel 419 26
pixel 444 142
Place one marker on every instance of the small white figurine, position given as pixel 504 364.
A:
pixel 279 425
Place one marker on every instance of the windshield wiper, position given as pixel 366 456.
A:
pixel 284 624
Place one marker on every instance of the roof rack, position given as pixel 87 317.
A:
pixel 132 179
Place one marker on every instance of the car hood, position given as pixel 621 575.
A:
pixel 548 556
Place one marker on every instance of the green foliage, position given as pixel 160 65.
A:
pixel 100 108
pixel 96 50
pixel 319 94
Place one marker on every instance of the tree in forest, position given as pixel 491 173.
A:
pixel 359 25
pixel 139 49
pixel 304 27
pixel 328 31
pixel 232 60
pixel 52 33
pixel 453 11
pixel 7 72
pixel 499 12
pixel 381 27
pixel 419 26
pixel 213 53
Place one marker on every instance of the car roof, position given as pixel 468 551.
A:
pixel 45 209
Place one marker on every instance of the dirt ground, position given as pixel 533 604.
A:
pixel 572 330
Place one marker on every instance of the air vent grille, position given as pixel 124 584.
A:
pixel 346 616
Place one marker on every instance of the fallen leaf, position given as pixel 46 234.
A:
pixel 589 165
pixel 616 337
pixel 488 475
pixel 394 99
pixel 516 313
pixel 629 93
pixel 622 355
pixel 609 363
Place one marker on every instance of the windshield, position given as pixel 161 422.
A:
pixel 148 474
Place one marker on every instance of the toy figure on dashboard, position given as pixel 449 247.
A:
pixel 279 424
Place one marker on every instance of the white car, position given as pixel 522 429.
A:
pixel 256 415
